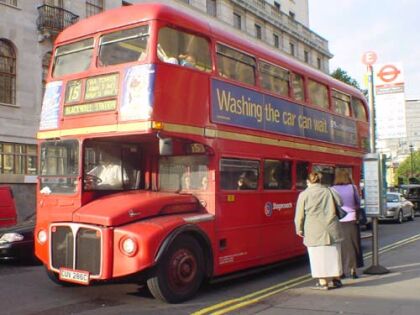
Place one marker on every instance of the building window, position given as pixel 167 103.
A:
pixel 94 7
pixel 277 6
pixel 45 67
pixel 258 32
pixel 276 40
pixel 126 3
pixel 211 7
pixel 54 3
pixel 18 158
pixel 292 49
pixel 10 2
pixel 306 55
pixel 7 72
pixel 292 15
pixel 318 63
pixel 237 21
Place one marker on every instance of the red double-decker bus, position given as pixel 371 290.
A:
pixel 173 151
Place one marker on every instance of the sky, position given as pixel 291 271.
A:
pixel 388 27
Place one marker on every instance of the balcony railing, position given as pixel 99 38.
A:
pixel 54 19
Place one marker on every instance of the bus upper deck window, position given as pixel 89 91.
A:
pixel 184 49
pixel 298 88
pixel 124 46
pixel 73 58
pixel 318 94
pixel 235 65
pixel 359 110
pixel 341 103
pixel 274 79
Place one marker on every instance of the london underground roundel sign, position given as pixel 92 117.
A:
pixel 388 73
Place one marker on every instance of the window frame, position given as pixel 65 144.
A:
pixel 261 74
pixel 251 63
pixel 233 184
pixel 8 96
pixel 19 158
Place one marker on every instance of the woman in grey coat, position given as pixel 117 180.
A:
pixel 316 221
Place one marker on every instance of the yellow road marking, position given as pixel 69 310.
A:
pixel 252 298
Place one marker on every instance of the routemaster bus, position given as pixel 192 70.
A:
pixel 172 151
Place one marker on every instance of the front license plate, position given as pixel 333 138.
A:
pixel 76 276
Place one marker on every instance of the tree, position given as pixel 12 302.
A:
pixel 410 168
pixel 343 76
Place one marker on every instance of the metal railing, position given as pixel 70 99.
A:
pixel 54 19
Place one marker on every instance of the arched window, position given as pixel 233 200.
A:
pixel 7 72
pixel 45 66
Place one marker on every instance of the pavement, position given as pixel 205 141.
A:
pixel 396 292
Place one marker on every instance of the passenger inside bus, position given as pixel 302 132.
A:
pixel 187 60
pixel 204 183
pixel 186 182
pixel 247 181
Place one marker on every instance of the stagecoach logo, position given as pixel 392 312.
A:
pixel 270 207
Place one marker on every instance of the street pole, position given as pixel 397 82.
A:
pixel 411 160
pixel 375 268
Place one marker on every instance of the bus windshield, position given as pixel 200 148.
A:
pixel 73 58
pixel 111 166
pixel 59 167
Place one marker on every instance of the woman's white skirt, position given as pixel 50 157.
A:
pixel 325 261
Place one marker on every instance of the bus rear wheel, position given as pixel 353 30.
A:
pixel 180 271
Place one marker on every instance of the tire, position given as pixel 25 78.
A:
pixel 54 278
pixel 179 272
pixel 400 218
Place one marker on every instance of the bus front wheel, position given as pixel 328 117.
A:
pixel 180 271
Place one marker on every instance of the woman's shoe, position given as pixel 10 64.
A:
pixel 353 274
pixel 337 283
pixel 318 286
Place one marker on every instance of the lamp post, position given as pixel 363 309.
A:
pixel 411 147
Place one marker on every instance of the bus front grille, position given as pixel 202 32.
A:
pixel 76 247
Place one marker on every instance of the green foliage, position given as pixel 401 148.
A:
pixel 404 169
pixel 343 76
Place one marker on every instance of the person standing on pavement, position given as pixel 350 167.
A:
pixel 316 221
pixel 350 247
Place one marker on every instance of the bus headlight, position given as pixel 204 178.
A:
pixel 129 246
pixel 42 236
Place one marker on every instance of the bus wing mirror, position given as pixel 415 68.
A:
pixel 165 146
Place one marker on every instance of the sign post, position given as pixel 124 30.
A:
pixel 372 166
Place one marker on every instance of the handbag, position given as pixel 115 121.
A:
pixel 338 210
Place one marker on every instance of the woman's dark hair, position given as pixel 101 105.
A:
pixel 314 177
